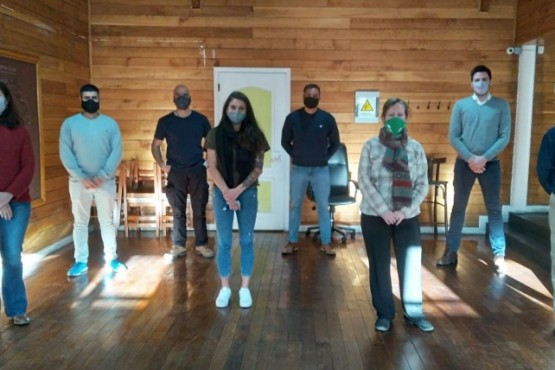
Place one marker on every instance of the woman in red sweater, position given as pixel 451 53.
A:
pixel 16 172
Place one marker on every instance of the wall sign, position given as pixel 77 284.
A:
pixel 366 106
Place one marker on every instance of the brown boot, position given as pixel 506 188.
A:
pixel 328 250
pixel 290 248
pixel 448 258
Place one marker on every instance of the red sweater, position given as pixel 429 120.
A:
pixel 17 163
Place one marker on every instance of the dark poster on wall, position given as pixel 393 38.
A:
pixel 20 74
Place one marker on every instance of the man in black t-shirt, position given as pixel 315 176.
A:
pixel 184 130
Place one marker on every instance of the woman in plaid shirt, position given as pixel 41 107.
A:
pixel 393 179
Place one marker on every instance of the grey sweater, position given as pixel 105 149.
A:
pixel 480 129
pixel 90 147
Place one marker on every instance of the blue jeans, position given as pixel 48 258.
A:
pixel 319 178
pixel 552 228
pixel 246 218
pixel 12 233
pixel 490 183
pixel 406 242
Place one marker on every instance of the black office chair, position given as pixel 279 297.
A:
pixel 340 193
pixel 436 185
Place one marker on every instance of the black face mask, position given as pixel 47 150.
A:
pixel 311 102
pixel 182 102
pixel 90 106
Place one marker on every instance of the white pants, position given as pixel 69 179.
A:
pixel 81 201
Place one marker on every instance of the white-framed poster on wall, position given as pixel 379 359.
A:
pixel 366 106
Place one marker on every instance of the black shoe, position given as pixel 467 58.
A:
pixel 421 323
pixel 448 258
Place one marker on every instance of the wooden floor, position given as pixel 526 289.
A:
pixel 310 312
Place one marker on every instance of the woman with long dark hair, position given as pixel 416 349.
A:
pixel 236 150
pixel 16 173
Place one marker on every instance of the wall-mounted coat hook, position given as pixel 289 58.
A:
pixel 438 105
pixel 449 106
pixel 428 107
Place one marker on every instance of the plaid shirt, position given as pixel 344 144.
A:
pixel 375 181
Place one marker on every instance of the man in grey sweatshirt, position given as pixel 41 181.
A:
pixel 91 150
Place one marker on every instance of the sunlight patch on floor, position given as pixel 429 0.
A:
pixel 435 291
pixel 131 289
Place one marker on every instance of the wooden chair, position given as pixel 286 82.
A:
pixel 166 216
pixel 141 200
pixel 437 185
pixel 118 216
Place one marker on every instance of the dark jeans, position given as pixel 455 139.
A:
pixel 408 251
pixel 193 182
pixel 490 183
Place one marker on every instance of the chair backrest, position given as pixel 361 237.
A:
pixel 339 171
pixel 339 174
pixel 434 164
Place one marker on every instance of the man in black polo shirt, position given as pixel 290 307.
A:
pixel 184 130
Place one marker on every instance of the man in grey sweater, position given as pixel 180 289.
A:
pixel 480 129
pixel 91 150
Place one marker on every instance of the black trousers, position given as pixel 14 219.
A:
pixel 180 183
pixel 408 251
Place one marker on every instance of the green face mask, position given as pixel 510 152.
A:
pixel 395 125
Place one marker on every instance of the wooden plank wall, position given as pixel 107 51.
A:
pixel 536 21
pixel 55 32
pixel 421 50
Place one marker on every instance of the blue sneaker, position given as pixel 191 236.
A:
pixel 77 269
pixel 117 266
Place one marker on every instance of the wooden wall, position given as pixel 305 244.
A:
pixel 55 32
pixel 536 21
pixel 421 50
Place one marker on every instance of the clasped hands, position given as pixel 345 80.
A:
pixel 393 217
pixel 230 196
pixel 477 164
pixel 5 208
pixel 93 183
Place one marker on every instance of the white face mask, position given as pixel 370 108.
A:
pixel 3 104
pixel 480 87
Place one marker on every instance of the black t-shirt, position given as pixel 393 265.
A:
pixel 184 138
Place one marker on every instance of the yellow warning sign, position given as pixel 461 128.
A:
pixel 367 107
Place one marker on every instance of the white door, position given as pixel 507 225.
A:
pixel 269 91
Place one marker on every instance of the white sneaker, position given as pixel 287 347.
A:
pixel 500 265
pixel 245 298
pixel 223 297
pixel 176 251
pixel 204 251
